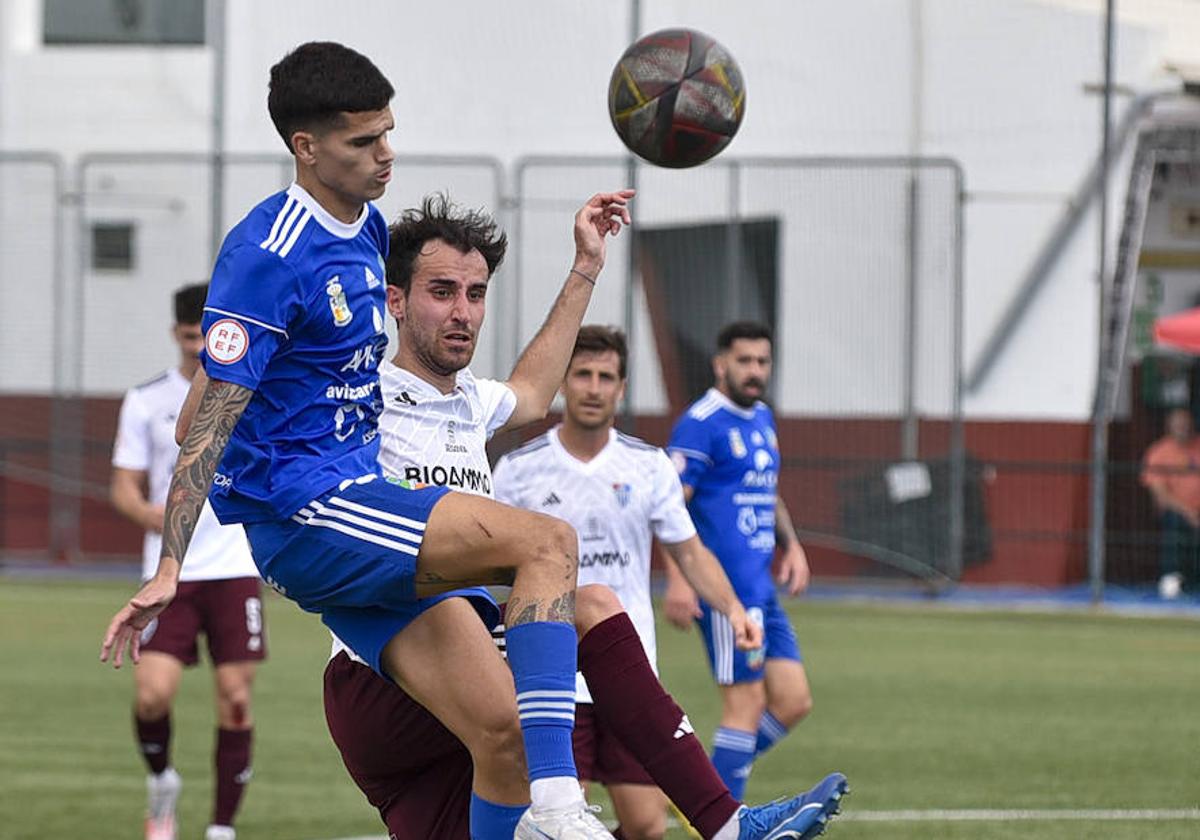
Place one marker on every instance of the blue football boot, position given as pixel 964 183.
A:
pixel 799 818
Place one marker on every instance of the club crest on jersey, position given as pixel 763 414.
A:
pixel 337 302
pixel 623 492
pixel 226 341
pixel 736 445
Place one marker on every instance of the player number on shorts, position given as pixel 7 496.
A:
pixel 253 616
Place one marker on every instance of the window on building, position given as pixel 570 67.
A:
pixel 112 246
pixel 153 22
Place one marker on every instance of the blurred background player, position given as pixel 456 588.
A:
pixel 219 594
pixel 617 492
pixel 727 454
pixel 1171 472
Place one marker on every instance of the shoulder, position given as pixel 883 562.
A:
pixel 523 452
pixel 636 443
pixel 152 383
pixel 703 408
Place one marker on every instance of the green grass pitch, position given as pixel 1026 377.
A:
pixel 922 708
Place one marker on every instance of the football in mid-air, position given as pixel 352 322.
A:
pixel 676 98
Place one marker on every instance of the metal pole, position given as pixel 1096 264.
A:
pixel 1096 546
pixel 957 441
pixel 216 39
pixel 909 429
pixel 631 181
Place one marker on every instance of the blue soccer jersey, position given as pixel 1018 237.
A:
pixel 295 312
pixel 729 456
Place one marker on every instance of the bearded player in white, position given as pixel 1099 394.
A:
pixel 618 492
pixel 219 594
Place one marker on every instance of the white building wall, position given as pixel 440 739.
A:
pixel 1000 88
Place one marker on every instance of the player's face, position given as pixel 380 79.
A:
pixel 190 340
pixel 440 318
pixel 351 163
pixel 743 370
pixel 593 388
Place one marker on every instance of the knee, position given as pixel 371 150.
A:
pixel 151 702
pixel 233 702
pixel 795 708
pixel 552 545
pixel 496 738
pixel 594 603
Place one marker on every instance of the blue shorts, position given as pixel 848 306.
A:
pixel 351 555
pixel 730 665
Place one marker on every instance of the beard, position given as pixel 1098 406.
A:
pixel 738 393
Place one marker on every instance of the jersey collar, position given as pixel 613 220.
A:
pixel 583 466
pixel 730 405
pixel 404 378
pixel 324 218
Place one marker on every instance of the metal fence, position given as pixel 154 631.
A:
pixel 857 264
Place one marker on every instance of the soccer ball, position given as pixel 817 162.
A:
pixel 676 98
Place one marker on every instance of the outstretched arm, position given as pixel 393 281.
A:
pixel 540 370
pixel 220 408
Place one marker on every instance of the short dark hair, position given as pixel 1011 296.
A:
pixel 439 218
pixel 314 84
pixel 189 303
pixel 596 338
pixel 742 329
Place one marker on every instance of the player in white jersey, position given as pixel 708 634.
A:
pixel 618 492
pixel 219 594
pixel 436 420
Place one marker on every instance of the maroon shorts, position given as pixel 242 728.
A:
pixel 599 756
pixel 229 612
pixel 411 768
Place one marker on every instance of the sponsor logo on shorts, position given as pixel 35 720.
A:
pixel 226 341
pixel 757 657
pixel 148 632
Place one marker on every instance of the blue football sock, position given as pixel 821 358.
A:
pixel 542 657
pixel 733 755
pixel 770 733
pixel 491 821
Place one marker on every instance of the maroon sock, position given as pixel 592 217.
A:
pixel 233 772
pixel 631 702
pixel 154 740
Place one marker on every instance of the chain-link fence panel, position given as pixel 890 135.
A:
pixel 856 267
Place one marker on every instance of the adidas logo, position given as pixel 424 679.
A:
pixel 245 776
pixel 552 499
pixel 406 398
pixel 684 729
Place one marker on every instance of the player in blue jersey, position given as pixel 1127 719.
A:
pixel 286 437
pixel 727 454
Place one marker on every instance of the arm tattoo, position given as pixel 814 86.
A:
pixel 220 409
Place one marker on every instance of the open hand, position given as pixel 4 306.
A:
pixel 127 625
pixel 602 215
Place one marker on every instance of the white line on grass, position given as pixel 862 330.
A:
pixel 1049 814
pixel 984 815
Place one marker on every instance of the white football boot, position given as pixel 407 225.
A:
pixel 162 792
pixel 577 822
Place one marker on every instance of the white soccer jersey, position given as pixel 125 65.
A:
pixel 146 442
pixel 616 502
pixel 434 438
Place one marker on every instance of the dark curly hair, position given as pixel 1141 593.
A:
pixel 439 218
